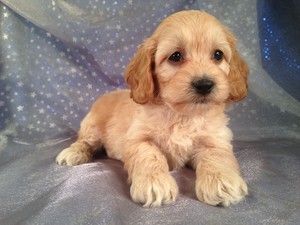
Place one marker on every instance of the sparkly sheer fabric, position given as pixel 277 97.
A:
pixel 57 57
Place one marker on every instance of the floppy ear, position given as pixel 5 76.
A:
pixel 238 72
pixel 139 74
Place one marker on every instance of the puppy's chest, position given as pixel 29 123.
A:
pixel 178 139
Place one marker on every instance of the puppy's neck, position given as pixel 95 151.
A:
pixel 205 110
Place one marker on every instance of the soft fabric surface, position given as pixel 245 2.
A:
pixel 57 57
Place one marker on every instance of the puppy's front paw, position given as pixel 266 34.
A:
pixel 74 155
pixel 154 190
pixel 220 188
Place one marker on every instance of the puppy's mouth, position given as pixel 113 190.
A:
pixel 190 106
pixel 198 98
pixel 194 100
pixel 202 100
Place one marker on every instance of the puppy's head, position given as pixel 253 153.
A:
pixel 190 62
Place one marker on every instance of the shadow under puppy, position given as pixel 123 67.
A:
pixel 181 78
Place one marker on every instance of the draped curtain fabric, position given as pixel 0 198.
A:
pixel 57 57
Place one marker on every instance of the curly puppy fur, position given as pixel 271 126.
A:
pixel 180 80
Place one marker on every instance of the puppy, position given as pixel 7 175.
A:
pixel 180 80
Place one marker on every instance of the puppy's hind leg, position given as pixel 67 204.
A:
pixel 88 142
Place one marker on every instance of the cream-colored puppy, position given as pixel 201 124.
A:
pixel 181 79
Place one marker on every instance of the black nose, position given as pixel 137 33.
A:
pixel 203 86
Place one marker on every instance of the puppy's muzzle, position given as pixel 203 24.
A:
pixel 203 86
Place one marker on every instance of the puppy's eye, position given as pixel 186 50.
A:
pixel 218 55
pixel 176 57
